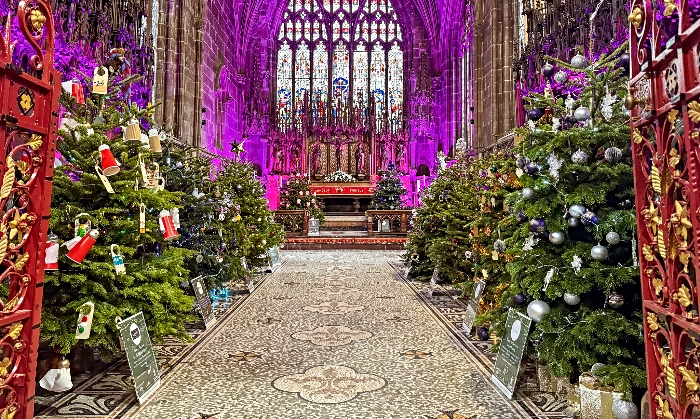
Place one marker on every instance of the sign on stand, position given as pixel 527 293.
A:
pixel 314 227
pixel 510 353
pixel 139 354
pixel 274 253
pixel 433 282
pixel 473 306
pixel 408 268
pixel 201 294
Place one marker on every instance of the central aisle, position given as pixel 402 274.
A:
pixel 329 335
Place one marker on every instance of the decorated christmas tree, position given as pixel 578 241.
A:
pixel 109 207
pixel 296 194
pixel 389 191
pixel 574 266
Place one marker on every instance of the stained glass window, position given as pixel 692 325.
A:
pixel 357 54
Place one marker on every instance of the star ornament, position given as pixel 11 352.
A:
pixel 237 147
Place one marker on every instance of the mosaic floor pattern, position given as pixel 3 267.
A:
pixel 330 335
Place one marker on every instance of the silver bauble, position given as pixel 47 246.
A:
pixel 499 245
pixel 557 237
pixel 577 210
pixel 537 309
pixel 624 409
pixel 599 253
pixel 579 157
pixel 94 234
pixel 579 62
pixel 561 77
pixel 528 193
pixel 596 367
pixel 613 154
pixel 615 300
pixel 521 161
pixel 582 114
pixel 612 238
pixel 571 299
pixel 573 222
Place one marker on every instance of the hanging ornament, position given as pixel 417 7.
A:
pixel 561 77
pixel 109 163
pixel 615 300
pixel 599 253
pixel 499 245
pixel 482 333
pixel 537 225
pixel 154 141
pixel 58 379
pixel 519 299
pixel 579 157
pixel 576 263
pixel 573 222
pixel 530 242
pixel 167 227
pixel 521 161
pixel 537 309
pixel 117 260
pixel 612 238
pixel 613 154
pixel 589 218
pixel 52 248
pixel 528 193
pixel 521 216
pixel 557 237
pixel 624 61
pixel 87 311
pixel 606 107
pixel 554 164
pixel 531 168
pixel 534 114
pixel 175 214
pixel 78 251
pixel 624 409
pixel 577 210
pixel 548 70
pixel 579 62
pixel 132 132
pixel 582 114
pixel 467 255
pixel 571 299
pixel 547 279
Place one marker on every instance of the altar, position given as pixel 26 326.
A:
pixel 343 197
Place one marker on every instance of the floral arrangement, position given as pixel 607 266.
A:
pixel 339 177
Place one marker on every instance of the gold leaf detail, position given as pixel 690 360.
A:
pixel 663 411
pixel 14 330
pixel 658 285
pixel 672 114
pixel 685 260
pixel 9 179
pixel 655 179
pixel 694 111
pixel 683 296
pixel 11 304
pixel 35 142
pixel 21 262
pixel 674 158
pixel 637 136
pixel 689 378
pixel 653 322
pixel 668 370
pixel 5 367
pixel 669 7
pixel 660 243
pixel 648 253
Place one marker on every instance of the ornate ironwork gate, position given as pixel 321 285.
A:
pixel 29 90
pixel 665 101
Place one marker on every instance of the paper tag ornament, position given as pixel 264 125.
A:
pixel 118 260
pixel 142 218
pixel 87 311
pixel 175 215
pixel 99 81
pixel 51 258
pixel 103 178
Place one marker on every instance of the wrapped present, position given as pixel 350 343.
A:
pixel 550 383
pixel 596 399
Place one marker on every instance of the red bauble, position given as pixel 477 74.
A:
pixel 455 241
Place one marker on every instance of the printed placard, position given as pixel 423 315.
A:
pixel 510 353
pixel 473 306
pixel 201 294
pixel 139 354
pixel 274 253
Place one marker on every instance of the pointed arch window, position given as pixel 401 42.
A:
pixel 340 54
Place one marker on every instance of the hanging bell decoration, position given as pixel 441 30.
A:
pixel 109 163
pixel 167 226
pixel 154 141
pixel 58 379
pixel 132 133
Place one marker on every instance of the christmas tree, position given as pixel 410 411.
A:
pixel 389 191
pixel 84 209
pixel 574 264
pixel 296 194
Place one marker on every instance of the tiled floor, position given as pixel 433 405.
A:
pixel 330 335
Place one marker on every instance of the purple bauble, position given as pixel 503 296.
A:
pixel 589 218
pixel 537 225
pixel 482 333
pixel 624 60
pixel 532 168
pixel 534 114
pixel 548 70
pixel 521 216
pixel 519 299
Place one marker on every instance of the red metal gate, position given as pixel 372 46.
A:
pixel 29 91
pixel 665 101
